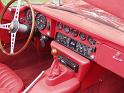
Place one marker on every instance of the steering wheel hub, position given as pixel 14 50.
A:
pixel 14 26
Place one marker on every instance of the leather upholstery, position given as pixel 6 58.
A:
pixel 9 81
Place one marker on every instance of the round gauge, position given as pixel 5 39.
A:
pixel 83 36
pixel 59 26
pixel 29 16
pixel 41 21
pixel 74 33
pixel 91 41
pixel 66 29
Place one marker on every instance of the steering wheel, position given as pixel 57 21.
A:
pixel 14 26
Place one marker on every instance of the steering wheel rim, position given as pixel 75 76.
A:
pixel 31 32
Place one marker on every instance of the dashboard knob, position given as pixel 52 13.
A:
pixel 54 52
pixel 43 40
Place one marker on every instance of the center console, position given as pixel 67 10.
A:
pixel 73 52
pixel 65 74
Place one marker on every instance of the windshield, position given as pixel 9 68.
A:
pixel 32 1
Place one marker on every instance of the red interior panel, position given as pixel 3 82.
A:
pixel 111 59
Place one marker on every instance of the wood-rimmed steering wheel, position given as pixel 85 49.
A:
pixel 14 27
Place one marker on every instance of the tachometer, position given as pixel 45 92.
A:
pixel 41 21
pixel 29 16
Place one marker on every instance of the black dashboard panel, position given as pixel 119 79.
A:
pixel 75 46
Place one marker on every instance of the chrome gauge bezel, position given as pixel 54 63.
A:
pixel 41 18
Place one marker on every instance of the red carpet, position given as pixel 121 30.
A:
pixel 28 64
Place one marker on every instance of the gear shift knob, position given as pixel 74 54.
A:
pixel 54 52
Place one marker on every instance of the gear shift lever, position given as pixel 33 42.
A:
pixel 55 68
pixel 58 73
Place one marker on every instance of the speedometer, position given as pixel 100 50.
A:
pixel 41 21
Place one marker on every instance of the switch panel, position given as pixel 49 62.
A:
pixel 76 46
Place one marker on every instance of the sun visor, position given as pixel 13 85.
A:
pixel 115 7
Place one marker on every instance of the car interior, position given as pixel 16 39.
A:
pixel 62 46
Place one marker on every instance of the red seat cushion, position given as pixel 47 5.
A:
pixel 9 81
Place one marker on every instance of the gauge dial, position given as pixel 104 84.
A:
pixel 91 41
pixel 59 26
pixel 29 16
pixel 41 21
pixel 83 36
pixel 66 29
pixel 74 33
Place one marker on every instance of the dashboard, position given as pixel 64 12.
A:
pixel 43 24
pixel 66 35
pixel 90 39
pixel 75 40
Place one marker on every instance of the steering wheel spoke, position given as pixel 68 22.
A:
pixel 13 37
pixel 5 26
pixel 14 27
pixel 16 16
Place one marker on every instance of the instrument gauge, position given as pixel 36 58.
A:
pixel 29 16
pixel 41 21
pixel 74 32
pixel 59 26
pixel 91 41
pixel 66 29
pixel 83 36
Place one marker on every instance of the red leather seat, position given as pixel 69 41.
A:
pixel 9 81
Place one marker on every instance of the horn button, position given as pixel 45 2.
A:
pixel 14 26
